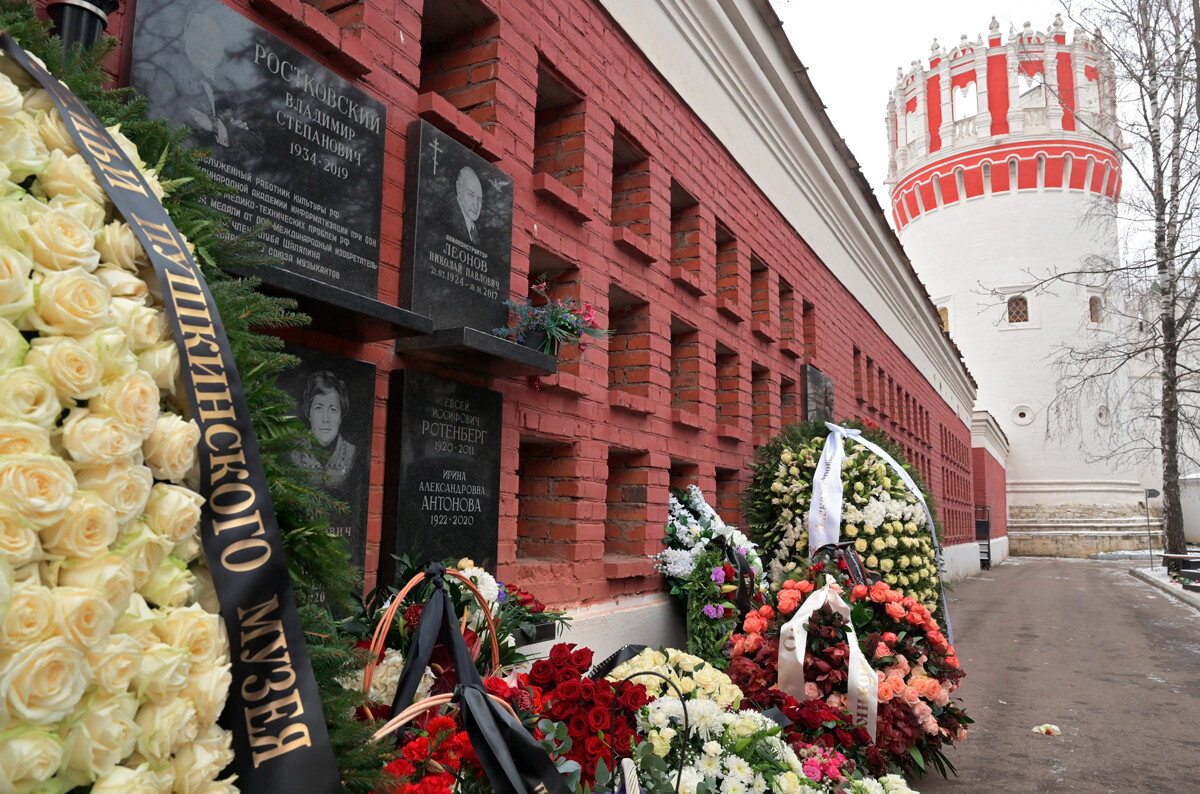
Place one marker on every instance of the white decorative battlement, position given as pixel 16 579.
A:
pixel 1032 112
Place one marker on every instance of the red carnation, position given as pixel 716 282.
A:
pixel 523 700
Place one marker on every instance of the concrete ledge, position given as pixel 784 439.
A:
pixel 1178 593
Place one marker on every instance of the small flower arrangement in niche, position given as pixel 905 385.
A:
pixel 549 323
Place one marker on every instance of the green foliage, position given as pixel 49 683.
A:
pixel 563 320
pixel 708 635
pixel 319 563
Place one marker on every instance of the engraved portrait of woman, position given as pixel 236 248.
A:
pixel 325 404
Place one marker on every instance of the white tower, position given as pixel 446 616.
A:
pixel 996 173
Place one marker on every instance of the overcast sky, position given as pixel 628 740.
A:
pixel 852 49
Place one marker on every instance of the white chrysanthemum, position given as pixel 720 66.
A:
pixel 868 785
pixel 690 779
pixel 676 562
pixel 739 768
pixel 735 785
pixel 710 766
pixel 704 717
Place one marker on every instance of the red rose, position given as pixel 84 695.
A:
pixel 562 710
pixel 623 738
pixel 577 726
pixel 589 766
pixel 595 747
pixel 497 687
pixel 560 654
pixel 730 572
pixel 581 660
pixel 633 697
pixel 565 675
pixel 889 637
pixel 569 690
pixel 541 673
pixel 604 698
pixel 589 688
pixel 598 719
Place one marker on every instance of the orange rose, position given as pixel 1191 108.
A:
pixel 804 587
pixel 788 601
pixel 881 650
pixel 886 692
pixel 879 592
pixel 895 611
pixel 892 596
pixel 937 641
pixel 859 592
pixel 753 623
pixel 913 618
pixel 952 661
pixel 766 611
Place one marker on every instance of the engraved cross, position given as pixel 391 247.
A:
pixel 437 149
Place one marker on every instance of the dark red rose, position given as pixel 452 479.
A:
pixel 581 659
pixel 598 719
pixel 565 675
pixel 561 710
pixel 589 766
pixel 623 737
pixel 589 688
pixel 569 690
pixel 541 673
pixel 497 687
pixel 560 655
pixel 604 698
pixel 843 736
pixel 577 726
pixel 633 697
pixel 595 747
pixel 730 572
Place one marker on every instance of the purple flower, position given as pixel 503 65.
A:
pixel 501 592
pixel 741 552
pixel 718 575
pixel 713 611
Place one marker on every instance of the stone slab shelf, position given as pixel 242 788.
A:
pixel 549 188
pixel 479 352
pixel 337 311
pixel 438 111
pixel 633 244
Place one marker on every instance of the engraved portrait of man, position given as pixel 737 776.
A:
pixel 468 192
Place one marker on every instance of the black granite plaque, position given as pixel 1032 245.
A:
pixel 302 147
pixel 457 233
pixel 335 397
pixel 818 395
pixel 447 488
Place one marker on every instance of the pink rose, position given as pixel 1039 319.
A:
pixel 881 650
pixel 911 696
pixel 811 692
pixel 812 769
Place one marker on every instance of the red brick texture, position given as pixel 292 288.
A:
pixel 990 489
pixel 716 307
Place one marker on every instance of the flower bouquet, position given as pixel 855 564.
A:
pixel 552 322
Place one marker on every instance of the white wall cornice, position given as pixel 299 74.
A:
pixel 720 56
pixel 986 433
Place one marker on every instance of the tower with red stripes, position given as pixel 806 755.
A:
pixel 1004 167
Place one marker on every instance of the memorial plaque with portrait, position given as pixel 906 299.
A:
pixel 335 397
pixel 447 485
pixel 818 395
pixel 302 147
pixel 457 233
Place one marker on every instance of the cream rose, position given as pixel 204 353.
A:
pixel 18 539
pixel 208 688
pixel 27 396
pixel 171 449
pixel 115 665
pixel 163 672
pixel 161 362
pixel 21 147
pixel 39 486
pixel 111 348
pixel 174 511
pixel 119 246
pixel 143 325
pixel 171 584
pixel 123 485
pixel 37 99
pixel 144 550
pixel 69 175
pixel 138 621
pixel 88 213
pixel 23 438
pixel 165 726
pixel 121 284
pixel 53 131
pixel 201 633
pixel 16 288
pixel 11 100
pixel 71 369
pixel 132 398
pixel 72 302
pixel 7 583
pixel 14 222
pixel 142 780
pixel 96 438
pixel 82 616
pixel 60 241
pixel 189 549
pixel 206 591
pixel 197 764
pixel 42 682
pixel 28 757
pixel 110 575
pixel 30 617
pixel 100 734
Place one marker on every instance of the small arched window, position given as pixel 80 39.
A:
pixel 1095 309
pixel 1018 309
pixel 944 314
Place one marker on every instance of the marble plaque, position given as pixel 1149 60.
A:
pixel 457 233
pixel 301 147
pixel 448 486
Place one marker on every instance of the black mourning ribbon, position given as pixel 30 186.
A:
pixel 745 576
pixel 620 657
pixel 512 760
pixel 854 566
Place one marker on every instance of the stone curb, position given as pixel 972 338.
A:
pixel 1178 593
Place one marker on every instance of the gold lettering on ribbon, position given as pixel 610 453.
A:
pixel 263 643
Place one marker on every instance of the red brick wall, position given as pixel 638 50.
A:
pixel 990 489
pixel 588 454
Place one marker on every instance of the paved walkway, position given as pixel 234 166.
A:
pixel 1085 646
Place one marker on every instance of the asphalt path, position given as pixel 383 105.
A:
pixel 1085 646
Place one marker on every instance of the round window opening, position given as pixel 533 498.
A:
pixel 1103 416
pixel 1022 414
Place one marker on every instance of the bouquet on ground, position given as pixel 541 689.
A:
pixel 563 321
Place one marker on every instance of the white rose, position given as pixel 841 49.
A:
pixel 111 348
pixel 86 530
pixel 39 486
pixel 72 302
pixel 89 213
pixel 189 549
pixel 37 99
pixel 70 176
pixel 165 726
pixel 26 396
pixel 21 147
pixel 121 284
pixel 174 511
pixel 15 224
pixel 171 584
pixel 16 288
pixel 197 764
pixel 11 100
pixel 15 72
pixel 28 757
pixel 206 591
pixel 18 539
pixel 143 548
pixel 110 575
pixel 100 734
pixel 123 485
pixel 163 672
pixel 132 398
pixel 95 438
pixel 13 347
pixel 42 682
pixel 171 449
pixel 202 633
pixel 162 364
pixel 54 133
pixel 71 369
pixel 115 665
pixel 143 325
pixel 30 616
pixel 142 780
pixel 207 689
pixel 155 186
pixel 7 583
pixel 61 241
pixel 119 246
pixel 23 438
pixel 82 616
pixel 138 621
